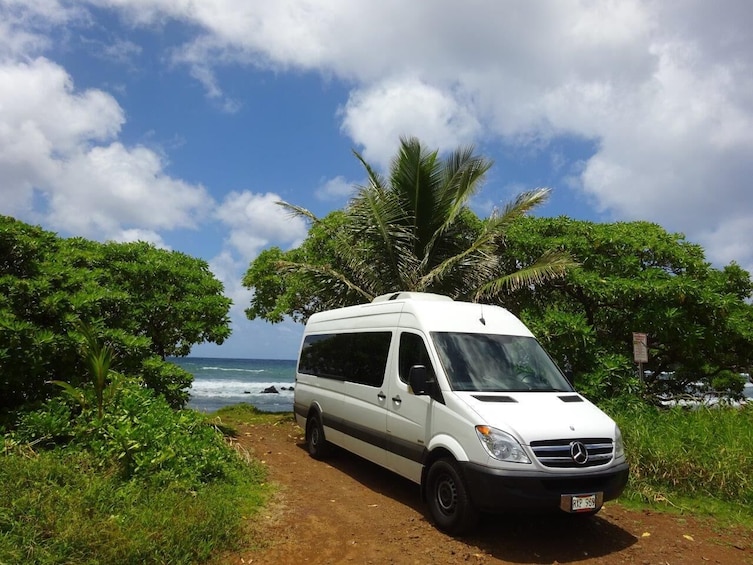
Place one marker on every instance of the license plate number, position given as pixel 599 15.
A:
pixel 581 502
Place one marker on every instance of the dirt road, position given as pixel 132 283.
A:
pixel 346 510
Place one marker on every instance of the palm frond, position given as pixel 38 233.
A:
pixel 551 265
pixel 375 179
pixel 298 211
pixel 523 203
pixel 327 272
pixel 481 249
pixel 377 220
pixel 463 172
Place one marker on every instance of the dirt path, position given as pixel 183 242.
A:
pixel 346 510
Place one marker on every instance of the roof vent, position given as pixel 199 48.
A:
pixel 405 295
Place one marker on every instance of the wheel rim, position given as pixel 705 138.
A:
pixel 446 495
pixel 314 434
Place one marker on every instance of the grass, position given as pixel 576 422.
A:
pixel 692 461
pixel 141 484
pixel 59 507
pixel 229 416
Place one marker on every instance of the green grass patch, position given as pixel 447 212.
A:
pixel 228 417
pixel 137 483
pixel 698 460
pixel 61 506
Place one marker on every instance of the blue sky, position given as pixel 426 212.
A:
pixel 183 122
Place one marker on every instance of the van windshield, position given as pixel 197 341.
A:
pixel 497 363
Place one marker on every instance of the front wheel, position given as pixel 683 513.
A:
pixel 449 503
pixel 318 446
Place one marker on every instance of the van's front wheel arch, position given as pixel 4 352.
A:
pixel 317 444
pixel 449 502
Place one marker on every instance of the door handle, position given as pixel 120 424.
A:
pixel 381 396
pixel 397 399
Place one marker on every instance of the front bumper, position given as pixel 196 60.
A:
pixel 495 490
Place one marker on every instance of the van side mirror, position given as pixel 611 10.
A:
pixel 417 377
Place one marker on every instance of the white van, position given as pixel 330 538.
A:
pixel 459 398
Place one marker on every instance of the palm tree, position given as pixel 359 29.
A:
pixel 414 231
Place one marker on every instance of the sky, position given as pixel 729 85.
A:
pixel 183 122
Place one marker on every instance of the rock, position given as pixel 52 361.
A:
pixel 270 390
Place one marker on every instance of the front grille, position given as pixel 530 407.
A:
pixel 557 453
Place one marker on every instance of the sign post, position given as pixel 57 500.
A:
pixel 640 351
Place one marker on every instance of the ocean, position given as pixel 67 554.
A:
pixel 222 382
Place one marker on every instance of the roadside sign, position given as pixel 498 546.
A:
pixel 640 347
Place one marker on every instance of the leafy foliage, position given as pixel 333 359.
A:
pixel 409 231
pixel 143 303
pixel 634 277
pixel 138 431
pixel 110 473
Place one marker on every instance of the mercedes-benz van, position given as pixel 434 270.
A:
pixel 461 399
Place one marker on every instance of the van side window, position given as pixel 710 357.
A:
pixel 355 357
pixel 413 352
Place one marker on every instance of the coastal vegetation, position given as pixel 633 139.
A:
pixel 146 303
pixel 101 463
pixel 109 472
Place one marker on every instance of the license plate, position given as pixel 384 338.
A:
pixel 581 502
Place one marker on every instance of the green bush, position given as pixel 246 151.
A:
pixel 728 382
pixel 139 432
pixel 167 379
pixel 50 425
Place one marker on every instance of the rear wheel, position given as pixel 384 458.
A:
pixel 449 503
pixel 318 446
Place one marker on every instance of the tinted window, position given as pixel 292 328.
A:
pixel 355 357
pixel 413 352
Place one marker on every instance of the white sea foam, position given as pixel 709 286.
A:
pixel 232 369
pixel 226 389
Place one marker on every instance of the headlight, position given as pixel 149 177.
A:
pixel 619 447
pixel 501 445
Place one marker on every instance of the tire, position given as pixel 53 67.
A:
pixel 318 446
pixel 450 505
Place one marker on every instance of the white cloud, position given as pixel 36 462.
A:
pixel 228 270
pixel 121 51
pixel 56 146
pixel 116 185
pixel 376 117
pixel 135 234
pixel 730 241
pixel 337 188
pixel 256 221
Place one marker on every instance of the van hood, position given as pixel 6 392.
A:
pixel 534 416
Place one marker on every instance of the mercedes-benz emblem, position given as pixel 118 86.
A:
pixel 578 452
